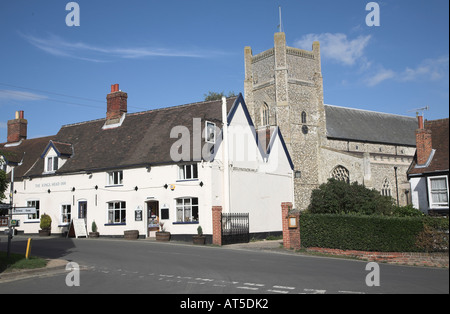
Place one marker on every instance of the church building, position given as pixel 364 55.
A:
pixel 284 87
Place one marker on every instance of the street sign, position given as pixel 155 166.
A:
pixel 23 210
pixel 5 206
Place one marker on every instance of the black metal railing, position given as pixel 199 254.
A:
pixel 235 228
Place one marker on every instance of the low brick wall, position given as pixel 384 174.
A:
pixel 415 259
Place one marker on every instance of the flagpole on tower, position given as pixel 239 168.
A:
pixel 280 26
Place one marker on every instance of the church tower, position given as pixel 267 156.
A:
pixel 283 87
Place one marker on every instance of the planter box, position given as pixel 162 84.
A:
pixel 199 240
pixel 44 233
pixel 94 234
pixel 162 236
pixel 131 234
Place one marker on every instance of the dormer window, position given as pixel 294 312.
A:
pixel 210 132
pixel 51 164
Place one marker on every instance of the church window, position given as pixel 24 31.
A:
pixel 386 188
pixel 341 173
pixel 265 115
pixel 303 117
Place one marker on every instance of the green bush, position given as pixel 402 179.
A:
pixel 360 232
pixel 46 222
pixel 339 197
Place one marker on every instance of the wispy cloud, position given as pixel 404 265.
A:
pixel 337 47
pixel 427 70
pixel 58 46
pixel 6 94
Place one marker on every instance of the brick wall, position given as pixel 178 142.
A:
pixel 414 259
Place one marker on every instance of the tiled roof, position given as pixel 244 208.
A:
pixel 26 153
pixel 439 137
pixel 369 126
pixel 142 139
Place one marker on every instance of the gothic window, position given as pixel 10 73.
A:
pixel 386 188
pixel 265 115
pixel 341 173
pixel 303 117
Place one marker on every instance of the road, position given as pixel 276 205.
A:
pixel 110 266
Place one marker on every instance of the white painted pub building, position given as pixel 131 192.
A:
pixel 138 171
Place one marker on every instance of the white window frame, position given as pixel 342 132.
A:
pixel 50 163
pixel 112 207
pixel 37 205
pixel 210 132
pixel 66 214
pixel 184 170
pixel 114 178
pixel 433 205
pixel 186 207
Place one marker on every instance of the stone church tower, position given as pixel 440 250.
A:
pixel 283 87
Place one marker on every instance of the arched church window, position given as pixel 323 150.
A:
pixel 386 188
pixel 303 117
pixel 265 115
pixel 341 173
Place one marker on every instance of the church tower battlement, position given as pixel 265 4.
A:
pixel 283 86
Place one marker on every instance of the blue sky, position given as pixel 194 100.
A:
pixel 166 53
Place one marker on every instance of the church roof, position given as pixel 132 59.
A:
pixel 369 126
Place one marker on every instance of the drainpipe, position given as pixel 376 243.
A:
pixel 396 184
pixel 226 167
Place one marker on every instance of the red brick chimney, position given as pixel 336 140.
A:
pixel 423 143
pixel 17 128
pixel 116 103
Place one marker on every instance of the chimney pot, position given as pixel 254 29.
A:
pixel 420 118
pixel 116 103
pixel 17 128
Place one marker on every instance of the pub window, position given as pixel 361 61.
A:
pixel 187 209
pixel 115 178
pixel 51 164
pixel 66 213
pixel 188 172
pixel 117 212
pixel 35 204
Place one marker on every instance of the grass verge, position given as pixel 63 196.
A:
pixel 18 261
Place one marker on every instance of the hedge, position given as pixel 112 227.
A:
pixel 361 232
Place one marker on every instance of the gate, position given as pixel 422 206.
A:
pixel 235 228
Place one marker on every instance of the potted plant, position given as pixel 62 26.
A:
pixel 94 233
pixel 46 225
pixel 199 238
pixel 162 235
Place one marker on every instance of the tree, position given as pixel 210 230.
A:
pixel 217 96
pixel 339 197
pixel 3 184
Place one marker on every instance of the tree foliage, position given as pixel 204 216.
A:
pixel 217 96
pixel 339 197
pixel 3 184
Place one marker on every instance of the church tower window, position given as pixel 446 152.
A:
pixel 303 117
pixel 341 173
pixel 265 115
